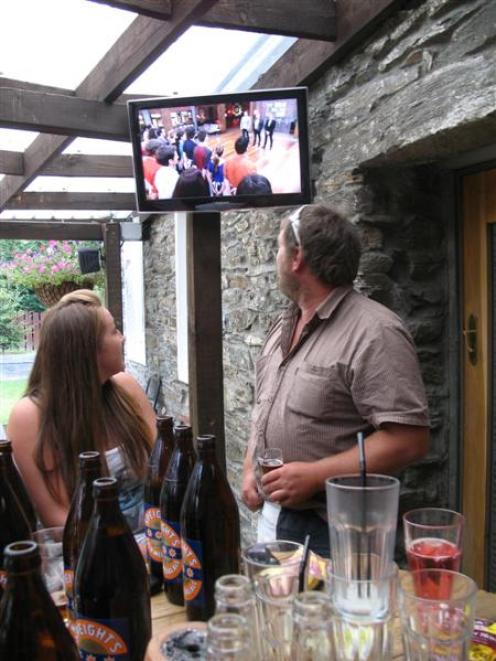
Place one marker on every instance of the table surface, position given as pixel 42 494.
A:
pixel 165 615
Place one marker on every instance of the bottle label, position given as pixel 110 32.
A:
pixel 193 572
pixel 3 579
pixel 171 548
pixel 153 533
pixel 101 640
pixel 69 591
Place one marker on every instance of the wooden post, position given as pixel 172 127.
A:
pixel 206 378
pixel 113 277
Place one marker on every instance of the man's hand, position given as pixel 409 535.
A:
pixel 249 491
pixel 291 484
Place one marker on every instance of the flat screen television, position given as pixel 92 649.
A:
pixel 223 151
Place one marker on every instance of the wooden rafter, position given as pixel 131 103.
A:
pixel 88 165
pixel 304 62
pixel 311 19
pixel 82 201
pixel 11 162
pixel 132 53
pixel 161 9
pixel 22 229
pixel 66 115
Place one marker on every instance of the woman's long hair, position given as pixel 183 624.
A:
pixel 77 411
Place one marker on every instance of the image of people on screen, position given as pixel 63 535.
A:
pixel 221 150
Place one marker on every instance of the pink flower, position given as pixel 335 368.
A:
pixel 55 268
pixel 52 243
pixel 41 269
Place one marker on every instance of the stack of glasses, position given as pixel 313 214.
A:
pixel 362 512
pixel 267 616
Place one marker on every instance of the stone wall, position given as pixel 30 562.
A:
pixel 421 89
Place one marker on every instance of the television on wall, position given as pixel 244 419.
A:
pixel 220 152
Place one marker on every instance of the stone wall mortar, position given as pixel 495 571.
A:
pixel 421 88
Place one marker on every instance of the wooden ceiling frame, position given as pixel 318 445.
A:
pixel 144 40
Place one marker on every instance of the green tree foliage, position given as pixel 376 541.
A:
pixel 10 333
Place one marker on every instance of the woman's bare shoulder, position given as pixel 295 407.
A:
pixel 24 421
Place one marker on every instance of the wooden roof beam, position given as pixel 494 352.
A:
pixel 305 61
pixel 161 9
pixel 65 115
pixel 32 230
pixel 89 165
pixel 73 201
pixel 312 19
pixel 132 53
pixel 11 162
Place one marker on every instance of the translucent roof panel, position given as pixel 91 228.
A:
pixel 56 42
pixel 63 40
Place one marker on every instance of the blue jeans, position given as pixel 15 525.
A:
pixel 295 525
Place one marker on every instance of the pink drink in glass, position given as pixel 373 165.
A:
pixel 433 553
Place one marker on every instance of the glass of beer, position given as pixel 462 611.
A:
pixel 433 540
pixel 49 541
pixel 267 460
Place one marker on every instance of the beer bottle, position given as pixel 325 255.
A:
pixel 209 532
pixel 77 521
pixel 171 499
pixel 18 484
pixel 30 624
pixel 112 597
pixel 157 465
pixel 14 524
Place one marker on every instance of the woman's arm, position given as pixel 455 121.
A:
pixel 136 392
pixel 22 431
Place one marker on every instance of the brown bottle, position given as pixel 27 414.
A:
pixel 78 520
pixel 157 466
pixel 18 484
pixel 112 597
pixel 210 532
pixel 171 499
pixel 14 524
pixel 30 624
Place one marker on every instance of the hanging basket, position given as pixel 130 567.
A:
pixel 50 294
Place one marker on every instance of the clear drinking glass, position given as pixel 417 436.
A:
pixel 312 628
pixel 433 540
pixel 267 460
pixel 279 557
pixel 234 594
pixel 275 595
pixel 49 541
pixel 362 615
pixel 362 524
pixel 437 628
pixel 228 638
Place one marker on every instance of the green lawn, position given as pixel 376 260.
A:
pixel 10 392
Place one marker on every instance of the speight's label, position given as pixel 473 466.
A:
pixel 69 593
pixel 102 640
pixel 153 533
pixel 171 552
pixel 193 577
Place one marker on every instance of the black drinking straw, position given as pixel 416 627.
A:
pixel 303 565
pixel 363 480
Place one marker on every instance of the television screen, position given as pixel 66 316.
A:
pixel 225 151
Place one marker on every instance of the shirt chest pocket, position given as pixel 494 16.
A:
pixel 318 392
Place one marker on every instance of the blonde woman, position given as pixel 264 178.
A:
pixel 79 398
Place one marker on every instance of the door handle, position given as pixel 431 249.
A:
pixel 470 337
